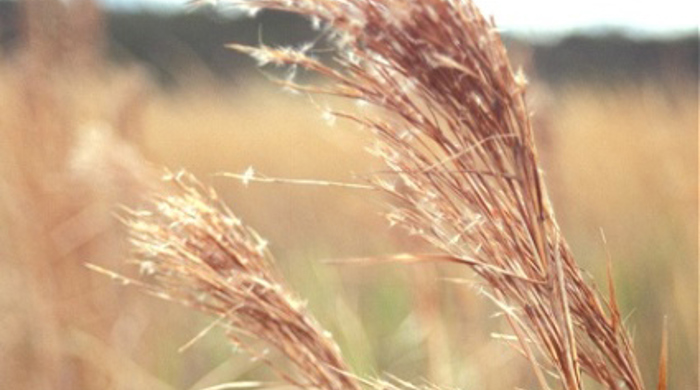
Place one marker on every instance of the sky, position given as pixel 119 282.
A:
pixel 556 17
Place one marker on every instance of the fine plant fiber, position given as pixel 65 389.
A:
pixel 451 124
pixel 191 249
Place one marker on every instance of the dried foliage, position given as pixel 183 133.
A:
pixel 453 128
pixel 191 249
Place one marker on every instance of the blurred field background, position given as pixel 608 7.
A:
pixel 94 104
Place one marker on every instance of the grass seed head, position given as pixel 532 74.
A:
pixel 469 179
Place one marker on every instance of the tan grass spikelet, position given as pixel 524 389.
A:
pixel 191 249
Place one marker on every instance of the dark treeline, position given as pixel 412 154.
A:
pixel 189 42
pixel 616 57
pixel 171 45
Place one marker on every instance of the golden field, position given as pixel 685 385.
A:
pixel 80 139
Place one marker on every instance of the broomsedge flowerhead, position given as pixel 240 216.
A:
pixel 191 249
pixel 467 180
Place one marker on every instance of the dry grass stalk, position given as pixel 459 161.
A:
pixel 191 249
pixel 464 171
pixel 663 359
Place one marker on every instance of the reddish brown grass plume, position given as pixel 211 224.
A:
pixel 454 130
pixel 449 119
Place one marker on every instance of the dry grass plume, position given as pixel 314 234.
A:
pixel 453 128
pixel 191 249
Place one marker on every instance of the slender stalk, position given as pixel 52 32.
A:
pixel 453 107
pixel 191 249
